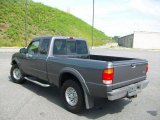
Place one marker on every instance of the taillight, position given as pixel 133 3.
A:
pixel 107 76
pixel 146 68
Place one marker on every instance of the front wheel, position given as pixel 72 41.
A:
pixel 16 74
pixel 72 95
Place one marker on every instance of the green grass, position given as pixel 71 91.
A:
pixel 42 20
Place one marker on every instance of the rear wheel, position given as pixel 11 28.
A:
pixel 72 95
pixel 16 74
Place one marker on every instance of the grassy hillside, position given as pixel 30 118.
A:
pixel 42 20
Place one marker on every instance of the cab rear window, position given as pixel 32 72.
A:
pixel 69 47
pixel 59 47
pixel 81 47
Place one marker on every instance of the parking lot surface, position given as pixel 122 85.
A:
pixel 33 102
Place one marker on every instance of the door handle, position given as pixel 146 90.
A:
pixel 133 65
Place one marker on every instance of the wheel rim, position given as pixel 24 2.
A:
pixel 17 74
pixel 71 96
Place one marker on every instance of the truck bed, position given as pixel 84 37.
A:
pixel 101 57
pixel 108 58
pixel 124 72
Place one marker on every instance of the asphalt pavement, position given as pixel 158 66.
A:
pixel 33 102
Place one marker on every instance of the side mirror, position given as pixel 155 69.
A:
pixel 23 50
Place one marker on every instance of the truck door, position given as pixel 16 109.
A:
pixel 41 64
pixel 29 63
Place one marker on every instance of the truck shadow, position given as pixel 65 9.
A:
pixel 102 106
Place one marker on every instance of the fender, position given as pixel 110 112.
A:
pixel 89 100
pixel 18 63
pixel 76 74
pixel 16 60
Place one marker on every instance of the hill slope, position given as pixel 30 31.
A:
pixel 42 20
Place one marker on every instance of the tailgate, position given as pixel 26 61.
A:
pixel 128 72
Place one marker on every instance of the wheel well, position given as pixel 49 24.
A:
pixel 14 62
pixel 89 101
pixel 67 76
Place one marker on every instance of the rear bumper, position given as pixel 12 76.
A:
pixel 127 91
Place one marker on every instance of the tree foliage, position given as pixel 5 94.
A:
pixel 42 20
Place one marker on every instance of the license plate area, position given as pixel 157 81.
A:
pixel 134 90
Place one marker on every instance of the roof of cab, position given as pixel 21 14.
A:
pixel 57 37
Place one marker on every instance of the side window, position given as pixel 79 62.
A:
pixel 33 47
pixel 59 47
pixel 71 47
pixel 44 47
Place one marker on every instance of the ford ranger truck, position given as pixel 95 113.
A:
pixel 65 62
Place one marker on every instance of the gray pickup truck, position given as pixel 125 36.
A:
pixel 65 62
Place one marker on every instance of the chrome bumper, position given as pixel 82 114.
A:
pixel 127 91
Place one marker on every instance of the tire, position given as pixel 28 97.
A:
pixel 75 105
pixel 16 74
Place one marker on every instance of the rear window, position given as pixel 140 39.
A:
pixel 81 47
pixel 69 47
pixel 59 47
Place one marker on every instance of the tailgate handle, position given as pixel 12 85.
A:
pixel 133 65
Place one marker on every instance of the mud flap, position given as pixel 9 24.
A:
pixel 89 101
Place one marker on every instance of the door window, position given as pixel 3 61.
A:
pixel 44 47
pixel 33 47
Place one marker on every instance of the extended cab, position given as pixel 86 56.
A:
pixel 65 62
